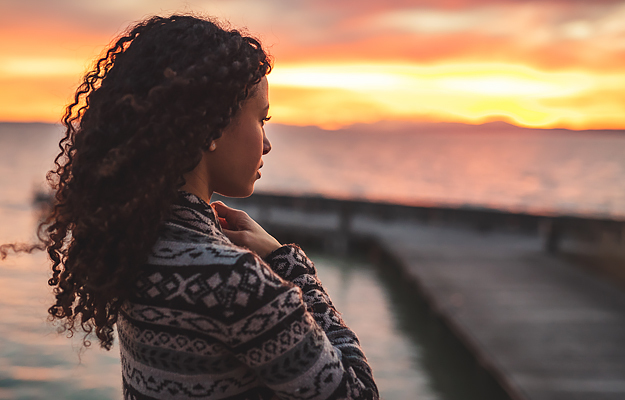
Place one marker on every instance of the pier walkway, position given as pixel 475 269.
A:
pixel 545 329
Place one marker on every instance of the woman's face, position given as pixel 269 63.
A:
pixel 233 166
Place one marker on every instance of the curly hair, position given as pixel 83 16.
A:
pixel 140 120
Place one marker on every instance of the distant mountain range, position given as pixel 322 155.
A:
pixel 407 127
pixel 386 127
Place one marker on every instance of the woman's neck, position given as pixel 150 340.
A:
pixel 197 183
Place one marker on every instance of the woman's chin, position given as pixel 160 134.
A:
pixel 238 192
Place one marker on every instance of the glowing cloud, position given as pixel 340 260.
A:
pixel 40 67
pixel 432 21
pixel 334 77
pixel 471 93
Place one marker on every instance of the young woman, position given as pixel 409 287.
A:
pixel 207 305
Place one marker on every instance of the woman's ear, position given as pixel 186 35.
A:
pixel 212 146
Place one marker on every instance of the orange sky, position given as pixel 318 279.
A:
pixel 535 63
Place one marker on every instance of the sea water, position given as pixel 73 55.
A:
pixel 493 166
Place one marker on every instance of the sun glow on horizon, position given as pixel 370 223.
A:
pixel 462 92
pixel 41 67
pixel 335 95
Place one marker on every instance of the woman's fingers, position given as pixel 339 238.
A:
pixel 223 223
pixel 221 209
pixel 235 237
pixel 243 230
pixel 231 216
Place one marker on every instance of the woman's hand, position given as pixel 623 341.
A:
pixel 244 231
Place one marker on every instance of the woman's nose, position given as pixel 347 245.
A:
pixel 266 144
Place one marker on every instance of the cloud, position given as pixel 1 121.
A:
pixel 547 33
pixel 432 21
pixel 336 95
pixel 40 67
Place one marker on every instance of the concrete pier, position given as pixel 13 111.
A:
pixel 544 328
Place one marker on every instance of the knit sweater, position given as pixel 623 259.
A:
pixel 211 320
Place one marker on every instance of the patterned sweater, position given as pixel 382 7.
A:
pixel 211 320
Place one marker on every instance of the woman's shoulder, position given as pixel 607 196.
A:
pixel 199 273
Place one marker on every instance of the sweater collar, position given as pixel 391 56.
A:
pixel 193 212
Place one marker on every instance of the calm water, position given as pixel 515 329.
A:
pixel 36 362
pixel 497 166
pixel 575 173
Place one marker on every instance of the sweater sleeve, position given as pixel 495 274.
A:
pixel 291 264
pixel 280 340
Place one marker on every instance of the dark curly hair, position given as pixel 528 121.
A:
pixel 140 120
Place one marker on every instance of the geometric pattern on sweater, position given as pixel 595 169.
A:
pixel 316 298
pixel 295 361
pixel 320 381
pixel 226 288
pixel 230 334
pixel 173 253
pixel 189 217
pixel 253 393
pixel 181 362
pixel 300 271
pixel 209 319
pixel 178 341
pixel 276 346
pixel 291 265
pixel 290 262
pixel 163 387
pixel 177 233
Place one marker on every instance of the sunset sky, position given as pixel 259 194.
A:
pixel 532 63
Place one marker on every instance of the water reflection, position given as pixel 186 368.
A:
pixel 412 354
pixel 494 166
pixel 367 310
pixel 35 361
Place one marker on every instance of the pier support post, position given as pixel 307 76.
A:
pixel 553 235
pixel 338 243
